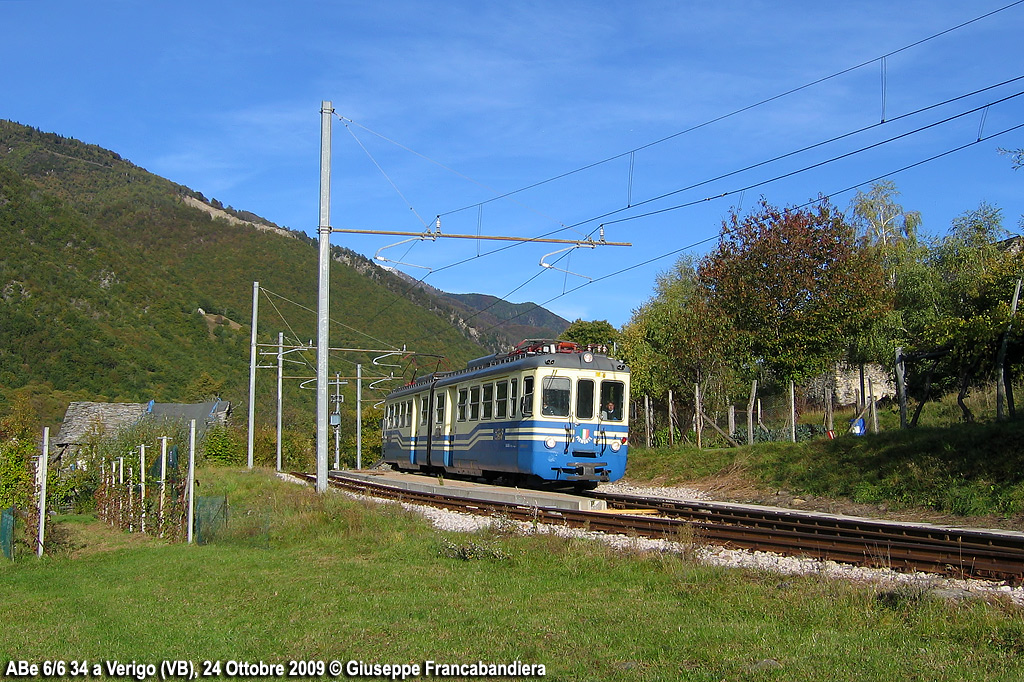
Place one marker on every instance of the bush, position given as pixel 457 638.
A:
pixel 223 445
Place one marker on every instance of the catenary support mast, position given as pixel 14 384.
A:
pixel 323 298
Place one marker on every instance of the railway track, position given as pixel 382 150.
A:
pixel 905 547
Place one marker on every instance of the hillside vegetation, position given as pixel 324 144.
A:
pixel 113 288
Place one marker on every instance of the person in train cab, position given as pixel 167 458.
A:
pixel 609 411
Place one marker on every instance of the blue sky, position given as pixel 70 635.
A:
pixel 455 103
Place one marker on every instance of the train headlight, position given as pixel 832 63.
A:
pixel 616 445
pixel 549 443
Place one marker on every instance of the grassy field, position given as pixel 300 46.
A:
pixel 960 469
pixel 303 576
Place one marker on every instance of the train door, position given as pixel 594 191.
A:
pixel 584 414
pixel 410 422
pixel 440 429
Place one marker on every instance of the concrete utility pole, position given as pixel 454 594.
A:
pixel 359 416
pixel 280 393
pixel 191 490
pixel 44 462
pixel 323 298
pixel 252 367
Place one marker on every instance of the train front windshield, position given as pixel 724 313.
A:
pixel 556 399
pixel 555 396
pixel 612 398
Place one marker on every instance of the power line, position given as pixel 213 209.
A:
pixel 735 112
pixel 822 163
pixel 701 242
pixel 805 149
pixel 677 134
pixel 764 182
pixel 332 320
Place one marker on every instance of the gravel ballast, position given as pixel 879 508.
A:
pixel 948 588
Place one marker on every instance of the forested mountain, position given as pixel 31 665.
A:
pixel 116 284
pixel 520 320
pixel 504 323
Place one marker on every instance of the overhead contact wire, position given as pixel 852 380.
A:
pixel 737 111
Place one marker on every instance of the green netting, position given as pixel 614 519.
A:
pixel 211 517
pixel 172 465
pixel 7 532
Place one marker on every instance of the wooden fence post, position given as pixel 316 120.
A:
pixel 671 420
pixel 874 408
pixel 901 387
pixel 1002 379
pixel 697 418
pixel 732 419
pixel 829 425
pixel 792 412
pixel 750 413
pixel 647 417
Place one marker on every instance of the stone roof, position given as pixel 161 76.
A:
pixel 84 420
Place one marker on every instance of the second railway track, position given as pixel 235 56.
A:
pixel 906 547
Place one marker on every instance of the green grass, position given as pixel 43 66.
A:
pixel 299 575
pixel 962 469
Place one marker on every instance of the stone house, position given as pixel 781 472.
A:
pixel 84 422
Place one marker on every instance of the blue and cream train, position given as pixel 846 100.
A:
pixel 547 411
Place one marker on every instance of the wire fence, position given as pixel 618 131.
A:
pixel 143 503
pixel 770 413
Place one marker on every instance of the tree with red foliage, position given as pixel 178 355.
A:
pixel 796 284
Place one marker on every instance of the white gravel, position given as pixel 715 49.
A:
pixel 667 493
pixel 452 521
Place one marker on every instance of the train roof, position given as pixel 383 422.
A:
pixel 527 355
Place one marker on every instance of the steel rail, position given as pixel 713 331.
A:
pixel 904 547
pixel 962 541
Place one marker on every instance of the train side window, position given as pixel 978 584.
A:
pixel 424 410
pixel 612 395
pixel 555 396
pixel 389 416
pixel 585 399
pixel 513 397
pixel 408 413
pixel 463 399
pixel 487 408
pixel 527 397
pixel 439 407
pixel 474 403
pixel 501 400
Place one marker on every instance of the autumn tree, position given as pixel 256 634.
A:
pixel 796 284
